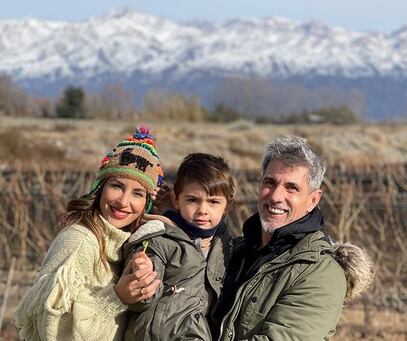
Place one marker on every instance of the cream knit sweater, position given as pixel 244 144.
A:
pixel 73 297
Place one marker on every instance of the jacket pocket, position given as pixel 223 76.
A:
pixel 181 317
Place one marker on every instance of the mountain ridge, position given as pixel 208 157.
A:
pixel 127 44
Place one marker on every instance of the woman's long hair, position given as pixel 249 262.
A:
pixel 85 211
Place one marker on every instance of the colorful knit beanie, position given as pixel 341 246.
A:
pixel 134 158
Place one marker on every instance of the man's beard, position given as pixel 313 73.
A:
pixel 267 227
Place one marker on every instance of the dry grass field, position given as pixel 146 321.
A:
pixel 44 162
pixel 80 144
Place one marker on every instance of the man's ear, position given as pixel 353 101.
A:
pixel 314 199
pixel 174 201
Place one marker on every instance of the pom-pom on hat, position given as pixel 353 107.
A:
pixel 134 158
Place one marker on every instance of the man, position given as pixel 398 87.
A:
pixel 287 280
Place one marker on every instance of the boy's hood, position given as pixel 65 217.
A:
pixel 151 225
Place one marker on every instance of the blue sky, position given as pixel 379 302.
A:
pixel 361 15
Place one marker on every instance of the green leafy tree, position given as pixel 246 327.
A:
pixel 72 103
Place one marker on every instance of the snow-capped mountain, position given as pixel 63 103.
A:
pixel 124 43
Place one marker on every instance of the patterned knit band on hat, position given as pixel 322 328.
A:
pixel 134 158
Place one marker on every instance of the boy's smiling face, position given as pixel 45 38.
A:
pixel 198 208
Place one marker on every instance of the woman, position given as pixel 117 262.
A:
pixel 79 293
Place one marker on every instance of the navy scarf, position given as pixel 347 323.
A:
pixel 191 230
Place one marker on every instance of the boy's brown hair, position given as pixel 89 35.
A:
pixel 211 172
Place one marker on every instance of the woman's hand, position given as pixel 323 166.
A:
pixel 138 281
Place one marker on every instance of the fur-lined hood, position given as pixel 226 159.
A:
pixel 358 267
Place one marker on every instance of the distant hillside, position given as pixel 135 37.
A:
pixel 367 71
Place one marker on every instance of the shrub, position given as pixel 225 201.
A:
pixel 335 115
pixel 165 105
pixel 72 103
pixel 223 113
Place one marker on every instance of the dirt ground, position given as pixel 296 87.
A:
pixel 381 324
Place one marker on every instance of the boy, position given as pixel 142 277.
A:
pixel 190 249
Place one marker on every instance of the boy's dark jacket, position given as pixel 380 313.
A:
pixel 179 309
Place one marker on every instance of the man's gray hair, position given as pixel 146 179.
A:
pixel 295 151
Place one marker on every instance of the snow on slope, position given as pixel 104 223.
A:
pixel 124 41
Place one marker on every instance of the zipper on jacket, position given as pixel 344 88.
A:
pixel 231 319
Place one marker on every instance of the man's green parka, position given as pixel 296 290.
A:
pixel 299 294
